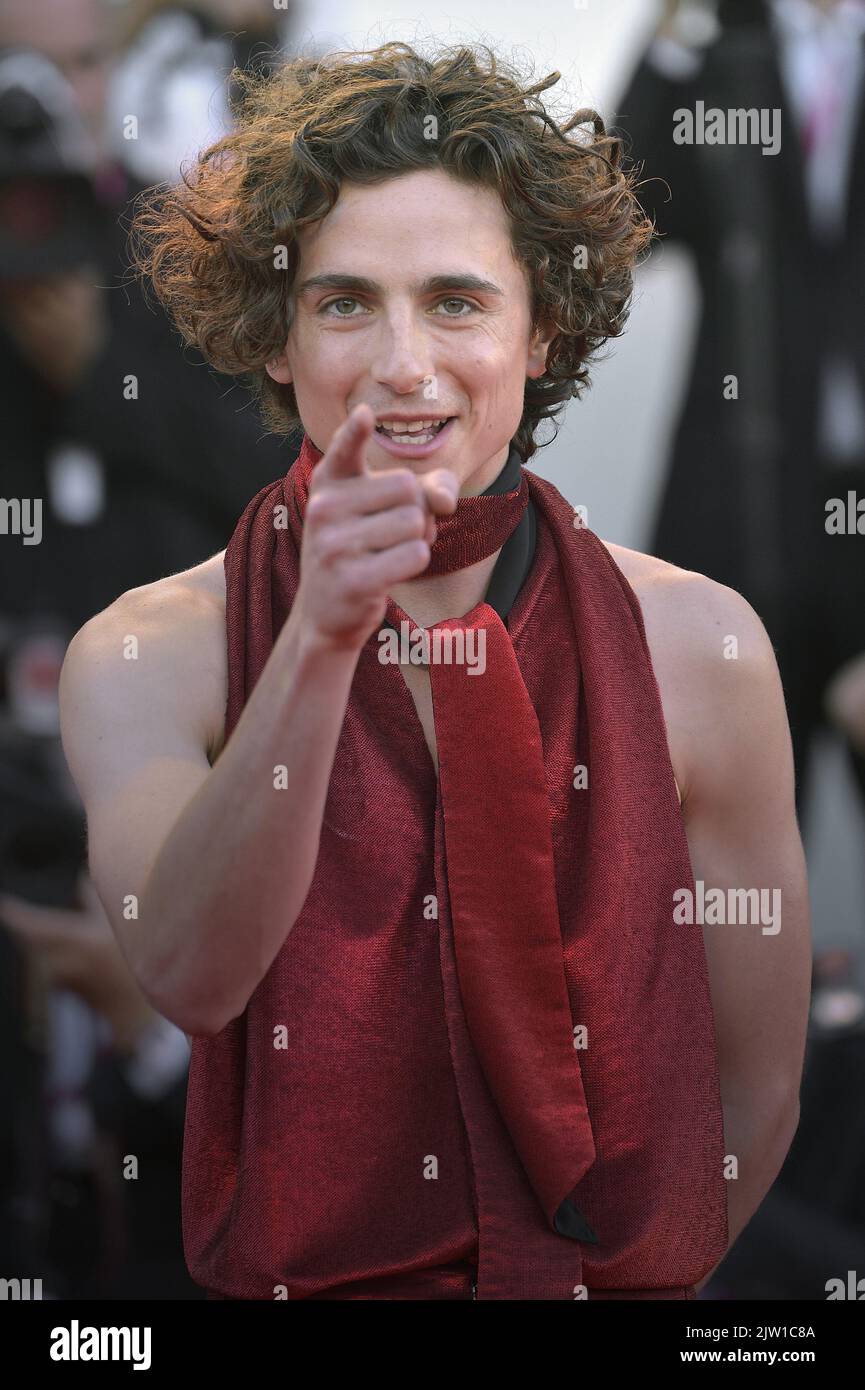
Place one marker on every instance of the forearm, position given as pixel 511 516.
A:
pixel 759 1138
pixel 232 876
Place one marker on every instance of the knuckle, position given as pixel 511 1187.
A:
pixel 414 519
pixel 329 546
pixel 355 577
pixel 409 485
pixel 319 507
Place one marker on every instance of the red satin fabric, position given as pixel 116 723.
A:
pixel 501 891
pixel 479 525
pixel 391 1150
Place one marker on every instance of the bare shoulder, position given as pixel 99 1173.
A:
pixel 171 634
pixel 681 606
pixel 713 659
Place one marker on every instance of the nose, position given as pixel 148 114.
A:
pixel 403 355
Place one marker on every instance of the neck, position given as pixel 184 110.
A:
pixel 430 599
pixel 445 595
pixel 484 476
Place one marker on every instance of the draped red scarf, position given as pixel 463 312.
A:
pixel 501 1074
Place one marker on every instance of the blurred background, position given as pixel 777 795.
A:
pixel 716 431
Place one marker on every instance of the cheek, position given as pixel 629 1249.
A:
pixel 495 356
pixel 321 357
pixel 499 372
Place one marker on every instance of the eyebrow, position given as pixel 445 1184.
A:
pixel 455 280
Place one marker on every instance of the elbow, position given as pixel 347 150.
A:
pixel 194 1023
pixel 211 1024
pixel 178 992
pixel 786 1109
pixel 774 1115
pixel 196 1017
pixel 789 1121
pixel 780 1132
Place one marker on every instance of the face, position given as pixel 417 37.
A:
pixel 74 35
pixel 408 297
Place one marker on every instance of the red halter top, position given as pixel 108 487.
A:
pixel 500 1076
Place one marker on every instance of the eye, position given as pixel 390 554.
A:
pixel 454 299
pixel 343 299
pixel 348 299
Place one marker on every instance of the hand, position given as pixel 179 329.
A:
pixel 76 950
pixel 363 532
pixel 59 324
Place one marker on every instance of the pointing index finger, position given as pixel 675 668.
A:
pixel 345 455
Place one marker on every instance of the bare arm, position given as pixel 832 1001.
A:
pixel 202 871
pixel 740 821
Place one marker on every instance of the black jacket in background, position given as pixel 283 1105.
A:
pixel 180 462
pixel 744 496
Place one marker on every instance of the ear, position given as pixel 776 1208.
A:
pixel 539 345
pixel 278 369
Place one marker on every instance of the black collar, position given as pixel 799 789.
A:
pixel 516 555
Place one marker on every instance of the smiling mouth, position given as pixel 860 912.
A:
pixel 415 436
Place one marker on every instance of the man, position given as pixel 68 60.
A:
pixel 452 1036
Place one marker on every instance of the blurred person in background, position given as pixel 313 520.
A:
pixel 778 239
pixel 143 460
pixel 135 459
pixel 772 428
pixel 175 72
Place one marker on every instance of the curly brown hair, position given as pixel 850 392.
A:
pixel 207 244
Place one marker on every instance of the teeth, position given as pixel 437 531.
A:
pixel 412 431
pixel 410 426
